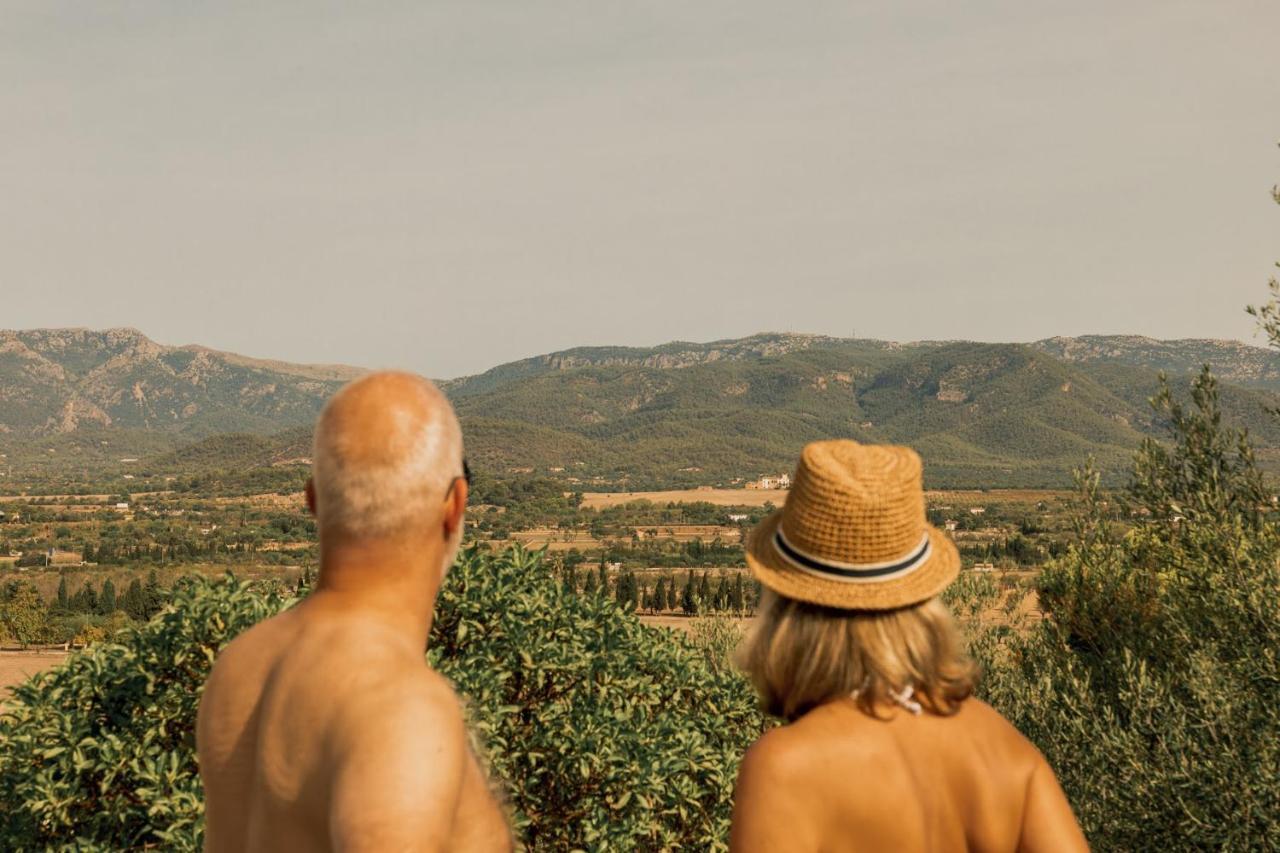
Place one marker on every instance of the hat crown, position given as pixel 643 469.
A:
pixel 855 503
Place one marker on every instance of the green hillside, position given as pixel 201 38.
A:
pixel 677 415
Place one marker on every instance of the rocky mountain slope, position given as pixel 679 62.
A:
pixel 66 380
pixel 680 414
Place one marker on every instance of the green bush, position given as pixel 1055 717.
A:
pixel 607 734
pixel 99 752
pixel 603 733
pixel 1154 689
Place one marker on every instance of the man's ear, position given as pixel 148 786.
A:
pixel 455 505
pixel 311 496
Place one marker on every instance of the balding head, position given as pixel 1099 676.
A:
pixel 387 448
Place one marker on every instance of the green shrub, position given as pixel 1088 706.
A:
pixel 608 735
pixel 1154 689
pixel 603 733
pixel 99 752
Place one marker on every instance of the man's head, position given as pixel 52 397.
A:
pixel 388 463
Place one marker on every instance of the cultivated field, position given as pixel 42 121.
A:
pixel 777 497
pixel 17 667
pixel 719 497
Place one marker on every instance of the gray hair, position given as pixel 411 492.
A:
pixel 379 465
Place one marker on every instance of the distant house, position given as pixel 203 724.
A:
pixel 778 481
pixel 977 510
pixel 122 505
pixel 950 525
pixel 738 516
pixel 984 567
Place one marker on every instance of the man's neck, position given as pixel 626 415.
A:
pixel 393 581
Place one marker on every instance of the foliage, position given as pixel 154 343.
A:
pixel 586 714
pixel 717 637
pixel 99 752
pixel 1154 688
pixel 22 613
pixel 582 713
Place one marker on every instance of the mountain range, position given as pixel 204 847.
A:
pixel 680 414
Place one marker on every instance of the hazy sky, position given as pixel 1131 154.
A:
pixel 447 186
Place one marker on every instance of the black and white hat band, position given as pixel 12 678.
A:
pixel 853 572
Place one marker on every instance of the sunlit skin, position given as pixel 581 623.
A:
pixel 839 780
pixel 323 728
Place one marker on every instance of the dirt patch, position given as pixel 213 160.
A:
pixel 684 624
pixel 17 667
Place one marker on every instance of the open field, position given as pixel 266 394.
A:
pixel 777 497
pixel 17 667
pixel 719 497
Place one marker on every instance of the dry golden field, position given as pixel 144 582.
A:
pixel 719 497
pixel 759 497
pixel 17 667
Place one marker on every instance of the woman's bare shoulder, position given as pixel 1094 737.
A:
pixel 992 726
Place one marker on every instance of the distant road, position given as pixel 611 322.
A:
pixel 719 497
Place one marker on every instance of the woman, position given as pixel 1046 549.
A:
pixel 884 748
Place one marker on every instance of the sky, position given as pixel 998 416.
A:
pixel 444 187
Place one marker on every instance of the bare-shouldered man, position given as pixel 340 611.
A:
pixel 323 728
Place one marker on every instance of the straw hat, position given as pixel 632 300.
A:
pixel 852 533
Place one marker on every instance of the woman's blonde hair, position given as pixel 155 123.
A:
pixel 801 655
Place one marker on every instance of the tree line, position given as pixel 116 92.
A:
pixel 695 593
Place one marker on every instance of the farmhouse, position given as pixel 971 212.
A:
pixel 777 481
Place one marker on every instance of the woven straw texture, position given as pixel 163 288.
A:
pixel 854 504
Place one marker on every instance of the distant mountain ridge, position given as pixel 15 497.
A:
pixel 1232 361
pixel 62 380
pixel 679 414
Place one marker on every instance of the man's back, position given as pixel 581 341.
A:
pixel 320 730
pixel 839 780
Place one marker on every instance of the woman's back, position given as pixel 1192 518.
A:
pixel 838 779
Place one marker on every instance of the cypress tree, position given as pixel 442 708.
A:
pixel 152 595
pixel 134 603
pixel 592 585
pixel 107 601
pixel 689 598
pixel 633 591
pixel 86 599
pixel 63 602
pixel 704 590
pixel 602 582
pixel 737 597
pixel 620 593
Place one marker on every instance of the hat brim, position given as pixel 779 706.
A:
pixel 779 575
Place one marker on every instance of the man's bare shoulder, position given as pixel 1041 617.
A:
pixel 253 650
pixel 398 756
pixel 410 703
